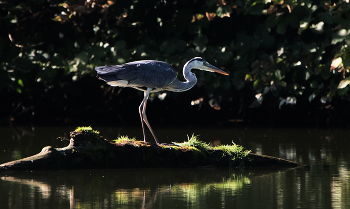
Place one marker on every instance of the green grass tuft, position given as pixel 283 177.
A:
pixel 124 138
pixel 233 151
pixel 194 142
pixel 87 129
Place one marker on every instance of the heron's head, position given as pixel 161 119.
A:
pixel 202 64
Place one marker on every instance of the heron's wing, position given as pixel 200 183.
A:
pixel 147 73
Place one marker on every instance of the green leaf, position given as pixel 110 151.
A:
pixel 295 86
pixel 120 45
pixel 20 82
pixel 18 90
pixel 254 104
pixel 201 49
pixel 98 52
pixel 326 17
pixel 224 57
pixel 282 83
pixel 281 28
pixel 323 99
pixel 246 43
pixel 221 11
pixel 278 75
pixel 346 58
pixel 256 84
pixel 181 45
pixel 282 102
pixel 190 52
pixel 82 57
pixel 342 91
pixel 325 72
pixel 344 83
pixel 238 79
pixel 256 9
pixel 168 47
pixel 24 64
pixel 267 41
pixel 308 74
pixel 312 97
pixel 200 40
pixel 313 84
pixel 271 21
pixel 310 48
pixel 317 28
pixel 248 77
pixel 339 36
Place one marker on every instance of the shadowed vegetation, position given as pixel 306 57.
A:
pixel 285 57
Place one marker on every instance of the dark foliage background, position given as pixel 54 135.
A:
pixel 288 61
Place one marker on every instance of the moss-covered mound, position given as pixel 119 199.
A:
pixel 87 149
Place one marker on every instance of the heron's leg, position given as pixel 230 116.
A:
pixel 141 108
pixel 144 116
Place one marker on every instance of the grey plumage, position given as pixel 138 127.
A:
pixel 152 76
pixel 147 73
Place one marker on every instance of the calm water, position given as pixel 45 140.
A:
pixel 324 183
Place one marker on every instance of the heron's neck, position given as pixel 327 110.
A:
pixel 190 77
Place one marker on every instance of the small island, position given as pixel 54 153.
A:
pixel 88 150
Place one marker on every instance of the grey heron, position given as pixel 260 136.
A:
pixel 152 76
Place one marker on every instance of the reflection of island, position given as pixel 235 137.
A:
pixel 43 189
pixel 100 188
pixel 175 188
pixel 27 188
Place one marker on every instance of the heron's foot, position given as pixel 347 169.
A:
pixel 169 145
pixel 158 145
pixel 145 139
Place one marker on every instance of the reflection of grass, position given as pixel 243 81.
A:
pixel 124 138
pixel 194 190
pixel 185 193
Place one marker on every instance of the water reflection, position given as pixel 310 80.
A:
pixel 162 188
pixel 314 187
pixel 323 183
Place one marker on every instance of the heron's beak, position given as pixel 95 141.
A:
pixel 212 68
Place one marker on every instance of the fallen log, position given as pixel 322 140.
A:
pixel 88 150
